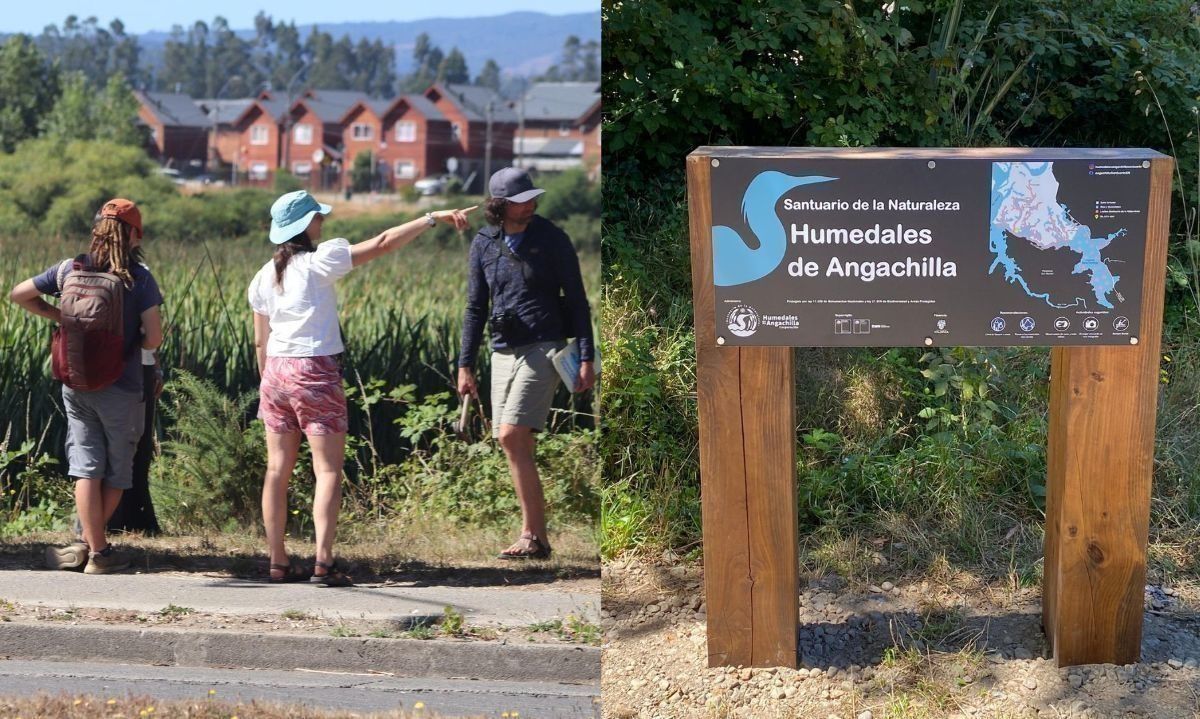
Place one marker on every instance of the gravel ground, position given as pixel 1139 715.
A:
pixel 902 648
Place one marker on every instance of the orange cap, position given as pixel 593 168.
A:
pixel 125 211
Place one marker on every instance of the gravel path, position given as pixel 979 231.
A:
pixel 902 649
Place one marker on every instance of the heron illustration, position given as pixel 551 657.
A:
pixel 734 262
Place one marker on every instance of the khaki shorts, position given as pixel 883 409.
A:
pixel 103 431
pixel 523 384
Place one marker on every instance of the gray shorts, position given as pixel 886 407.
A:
pixel 103 430
pixel 523 384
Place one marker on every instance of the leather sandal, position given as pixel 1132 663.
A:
pixel 333 576
pixel 529 546
pixel 291 573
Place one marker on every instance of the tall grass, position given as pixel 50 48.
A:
pixel 401 317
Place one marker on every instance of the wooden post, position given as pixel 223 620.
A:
pixel 1099 465
pixel 747 473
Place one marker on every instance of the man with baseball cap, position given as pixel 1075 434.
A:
pixel 524 281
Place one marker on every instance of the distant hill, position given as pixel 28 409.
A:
pixel 520 42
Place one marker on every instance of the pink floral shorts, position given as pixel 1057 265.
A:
pixel 302 394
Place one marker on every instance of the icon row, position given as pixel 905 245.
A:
pixel 1061 324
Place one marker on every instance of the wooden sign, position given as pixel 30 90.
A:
pixel 909 251
pixel 1103 377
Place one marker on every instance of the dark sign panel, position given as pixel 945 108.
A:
pixel 902 251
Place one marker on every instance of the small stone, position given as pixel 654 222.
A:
pixel 1174 663
pixel 1076 680
pixel 778 693
pixel 836 693
pixel 789 692
pixel 866 715
pixel 746 674
pixel 874 588
pixel 887 586
pixel 664 685
pixel 1029 683
pixel 637 684
pixel 678 572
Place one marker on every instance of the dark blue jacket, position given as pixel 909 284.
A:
pixel 550 305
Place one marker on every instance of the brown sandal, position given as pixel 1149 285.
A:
pixel 333 576
pixel 291 573
pixel 530 547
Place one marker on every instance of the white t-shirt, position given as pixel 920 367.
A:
pixel 303 314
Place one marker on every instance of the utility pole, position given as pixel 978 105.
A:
pixel 216 125
pixel 487 148
pixel 287 119
pixel 520 141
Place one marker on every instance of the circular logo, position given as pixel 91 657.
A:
pixel 1062 323
pixel 1027 324
pixel 1121 324
pixel 998 324
pixel 941 324
pixel 1091 323
pixel 742 320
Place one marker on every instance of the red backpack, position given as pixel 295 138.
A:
pixel 88 349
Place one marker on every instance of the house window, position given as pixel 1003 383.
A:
pixel 361 131
pixel 258 171
pixel 302 169
pixel 406 132
pixel 405 169
pixel 259 134
pixel 456 132
pixel 564 129
pixel 302 134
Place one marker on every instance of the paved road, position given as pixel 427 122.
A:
pixel 229 595
pixel 348 692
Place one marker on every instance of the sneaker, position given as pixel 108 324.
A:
pixel 73 556
pixel 107 562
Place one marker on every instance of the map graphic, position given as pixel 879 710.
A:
pixel 1025 208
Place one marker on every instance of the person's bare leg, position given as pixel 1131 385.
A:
pixel 518 443
pixel 282 449
pixel 94 503
pixel 110 497
pixel 329 454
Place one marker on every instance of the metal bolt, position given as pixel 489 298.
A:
pixel 1133 340
pixel 720 340
pixel 716 163
pixel 1146 163
pixel 931 164
pixel 928 341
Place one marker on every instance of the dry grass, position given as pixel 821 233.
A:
pixel 402 548
pixel 141 707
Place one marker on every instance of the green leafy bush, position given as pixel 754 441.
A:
pixel 879 432
pixel 212 466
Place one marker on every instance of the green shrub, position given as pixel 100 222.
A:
pixel 210 474
pixel 286 182
pixel 362 173
pixel 880 432
pixel 568 193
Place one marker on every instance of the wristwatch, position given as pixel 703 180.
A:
pixel 429 219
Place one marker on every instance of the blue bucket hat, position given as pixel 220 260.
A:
pixel 291 214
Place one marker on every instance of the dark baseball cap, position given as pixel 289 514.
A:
pixel 513 184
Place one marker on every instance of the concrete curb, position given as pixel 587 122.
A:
pixel 490 661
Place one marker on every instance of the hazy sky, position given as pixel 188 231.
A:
pixel 144 15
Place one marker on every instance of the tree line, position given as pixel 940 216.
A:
pixel 211 59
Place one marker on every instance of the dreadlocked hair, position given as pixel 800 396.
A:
pixel 286 251
pixel 110 249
